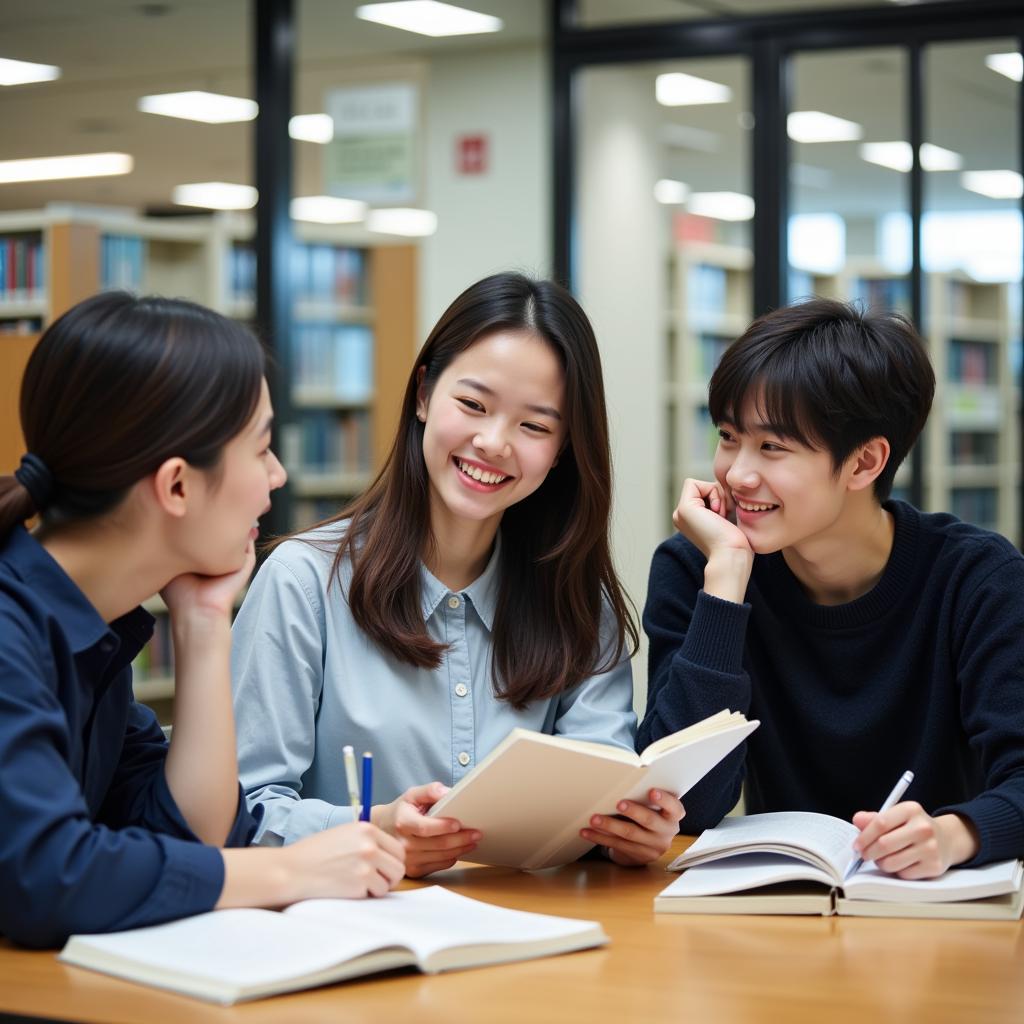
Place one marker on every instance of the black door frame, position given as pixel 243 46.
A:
pixel 768 41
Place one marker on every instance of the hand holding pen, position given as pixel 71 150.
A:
pixel 904 840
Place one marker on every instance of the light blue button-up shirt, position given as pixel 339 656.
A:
pixel 307 681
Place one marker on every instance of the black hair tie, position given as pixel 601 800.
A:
pixel 36 478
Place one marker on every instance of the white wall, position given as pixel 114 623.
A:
pixel 498 220
pixel 622 286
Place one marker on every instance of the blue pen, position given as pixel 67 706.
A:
pixel 367 793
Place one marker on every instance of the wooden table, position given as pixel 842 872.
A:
pixel 657 968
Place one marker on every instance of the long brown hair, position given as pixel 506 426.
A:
pixel 117 385
pixel 556 572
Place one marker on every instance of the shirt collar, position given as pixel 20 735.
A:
pixel 482 593
pixel 81 623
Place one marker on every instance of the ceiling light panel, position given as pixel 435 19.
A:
pixel 816 126
pixel 429 18
pixel 196 105
pixel 679 90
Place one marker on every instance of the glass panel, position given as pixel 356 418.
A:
pixel 971 254
pixel 598 13
pixel 849 234
pixel 662 263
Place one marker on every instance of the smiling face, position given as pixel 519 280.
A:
pixel 494 425
pixel 225 518
pixel 786 493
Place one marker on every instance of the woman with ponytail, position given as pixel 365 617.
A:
pixel 470 590
pixel 147 423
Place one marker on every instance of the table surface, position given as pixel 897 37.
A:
pixel 657 967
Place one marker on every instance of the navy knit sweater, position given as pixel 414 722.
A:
pixel 925 671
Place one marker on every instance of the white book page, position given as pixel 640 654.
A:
pixel 745 871
pixel 238 947
pixel 679 769
pixel 868 883
pixel 817 838
pixel 433 919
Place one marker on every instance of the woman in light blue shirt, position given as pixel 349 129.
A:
pixel 468 591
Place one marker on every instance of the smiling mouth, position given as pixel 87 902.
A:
pixel 481 476
pixel 750 506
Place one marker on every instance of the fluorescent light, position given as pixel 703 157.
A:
pixel 899 156
pixel 327 209
pixel 311 128
pixel 994 184
pixel 21 72
pixel 1009 64
pixel 402 221
pixel 671 193
pixel 679 90
pixel 196 105
pixel 815 126
pixel 215 195
pixel 429 18
pixel 721 205
pixel 55 168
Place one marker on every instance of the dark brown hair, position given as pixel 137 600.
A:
pixel 831 377
pixel 119 384
pixel 556 572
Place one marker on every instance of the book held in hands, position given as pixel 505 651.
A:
pixel 226 956
pixel 533 793
pixel 797 862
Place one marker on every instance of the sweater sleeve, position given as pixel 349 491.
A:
pixel 60 872
pixel 989 650
pixel 695 669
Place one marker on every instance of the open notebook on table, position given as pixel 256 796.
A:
pixel 796 862
pixel 226 956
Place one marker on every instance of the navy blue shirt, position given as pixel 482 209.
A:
pixel 91 839
pixel 925 671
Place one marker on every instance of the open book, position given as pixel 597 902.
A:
pixel 797 862
pixel 230 955
pixel 533 793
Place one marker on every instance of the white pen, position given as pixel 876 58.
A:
pixel 893 798
pixel 353 781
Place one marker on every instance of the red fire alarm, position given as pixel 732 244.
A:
pixel 471 154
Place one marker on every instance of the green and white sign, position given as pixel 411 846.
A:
pixel 374 154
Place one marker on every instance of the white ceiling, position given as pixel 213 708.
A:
pixel 113 51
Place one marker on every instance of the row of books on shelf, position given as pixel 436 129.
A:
pixel 973 362
pixel 973 447
pixel 978 505
pixel 710 349
pixel 22 325
pixel 329 442
pixel 320 273
pixel 889 293
pixel 156 659
pixel 332 361
pixel 707 290
pixel 22 277
pixel 122 262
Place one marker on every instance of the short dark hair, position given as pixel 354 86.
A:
pixel 117 385
pixel 832 377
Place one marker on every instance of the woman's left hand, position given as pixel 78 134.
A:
pixel 207 595
pixel 643 832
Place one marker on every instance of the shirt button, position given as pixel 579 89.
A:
pixel 463 759
pixel 453 602
pixel 461 690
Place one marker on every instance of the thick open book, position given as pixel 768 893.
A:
pixel 533 793
pixel 229 955
pixel 797 862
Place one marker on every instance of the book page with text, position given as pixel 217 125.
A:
pixel 817 838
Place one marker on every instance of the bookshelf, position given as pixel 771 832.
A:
pixel 351 344
pixel 972 464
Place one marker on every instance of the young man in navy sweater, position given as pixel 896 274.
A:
pixel 868 637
